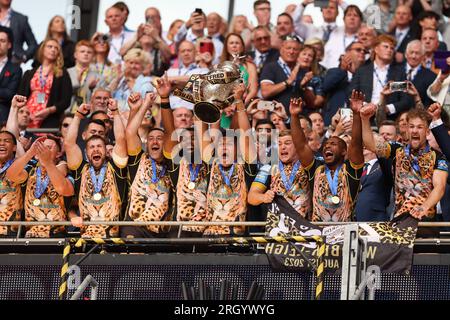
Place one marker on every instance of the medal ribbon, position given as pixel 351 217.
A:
pixel 415 160
pixel 155 177
pixel 6 166
pixel 42 81
pixel 97 181
pixel 227 178
pixel 333 181
pixel 41 184
pixel 194 172
pixel 288 183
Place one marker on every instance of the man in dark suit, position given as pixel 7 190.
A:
pixel 403 32
pixel 21 30
pixel 371 78
pixel 337 80
pixel 10 74
pixel 373 197
pixel 413 71
pixel 263 52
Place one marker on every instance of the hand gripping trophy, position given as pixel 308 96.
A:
pixel 213 91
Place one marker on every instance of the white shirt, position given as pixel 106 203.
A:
pixel 176 102
pixel 116 44
pixel 6 22
pixel 370 165
pixel 379 81
pixel 335 47
pixel 3 63
pixel 413 72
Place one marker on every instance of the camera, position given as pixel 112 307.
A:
pixel 149 20
pixel 398 86
pixel 321 3
pixel 198 10
pixel 103 38
pixel 266 105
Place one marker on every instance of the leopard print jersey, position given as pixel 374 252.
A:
pixel 323 208
pixel 226 203
pixel 106 209
pixel 191 204
pixel 299 197
pixel 11 203
pixel 51 208
pixel 411 190
pixel 147 203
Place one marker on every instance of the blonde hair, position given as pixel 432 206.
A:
pixel 138 54
pixel 58 65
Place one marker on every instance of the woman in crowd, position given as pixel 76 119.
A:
pixel 319 46
pixel 173 29
pixel 47 87
pixel 240 25
pixel 133 79
pixel 104 70
pixel 57 30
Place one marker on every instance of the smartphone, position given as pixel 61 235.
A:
pixel 206 47
pixel 149 20
pixel 321 3
pixel 265 105
pixel 398 86
pixel 198 10
pixel 346 114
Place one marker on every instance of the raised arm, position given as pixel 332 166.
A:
pixel 12 125
pixel 355 150
pixel 164 88
pixel 247 143
pixel 305 154
pixel 73 151
pixel 57 177
pixel 120 148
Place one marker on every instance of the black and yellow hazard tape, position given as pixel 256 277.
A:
pixel 64 271
pixel 320 269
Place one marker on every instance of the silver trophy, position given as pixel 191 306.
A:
pixel 213 91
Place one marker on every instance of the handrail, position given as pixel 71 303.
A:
pixel 186 223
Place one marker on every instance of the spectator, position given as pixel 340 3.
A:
pixel 133 79
pixel 430 20
pixel 83 78
pixel 21 30
pixel 430 43
pixel 278 121
pixel 323 32
pixel 337 80
pixel 48 87
pixel 279 78
pixel 319 47
pixel 194 29
pixel 214 25
pixel 341 37
pixel 262 10
pixel 263 53
pixel 403 31
pixel 234 46
pixel 122 6
pixel 367 36
pixel 118 36
pixel 173 30
pixel 10 74
pixel 105 72
pixel 372 78
pixel 183 118
pixel 239 24
pixel 318 125
pixel 421 78
pixel 99 100
pixel 388 130
pixel 284 28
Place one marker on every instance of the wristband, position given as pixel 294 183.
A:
pixel 83 114
pixel 165 105
pixel 286 84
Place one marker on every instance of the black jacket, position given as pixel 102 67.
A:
pixel 9 83
pixel 22 33
pixel 60 95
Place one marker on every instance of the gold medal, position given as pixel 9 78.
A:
pixel 191 185
pixel 335 200
pixel 152 186
pixel 97 197
pixel 36 202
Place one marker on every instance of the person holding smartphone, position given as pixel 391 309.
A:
pixel 194 29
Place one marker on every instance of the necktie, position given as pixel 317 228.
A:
pixel 365 169
pixel 398 36
pixel 326 33
pixel 262 59
pixel 428 64
pixel 409 75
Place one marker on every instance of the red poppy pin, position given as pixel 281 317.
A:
pixel 7 74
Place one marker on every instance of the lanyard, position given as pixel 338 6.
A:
pixel 121 44
pixel 194 172
pixel 227 178
pixel 286 70
pixel 155 177
pixel 378 77
pixel 97 181
pixel 288 183
pixel 191 67
pixel 6 166
pixel 103 69
pixel 42 81
pixel 41 184
pixel 333 181
pixel 415 159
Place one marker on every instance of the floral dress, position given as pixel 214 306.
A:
pixel 37 87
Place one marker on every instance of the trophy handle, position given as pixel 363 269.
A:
pixel 207 112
